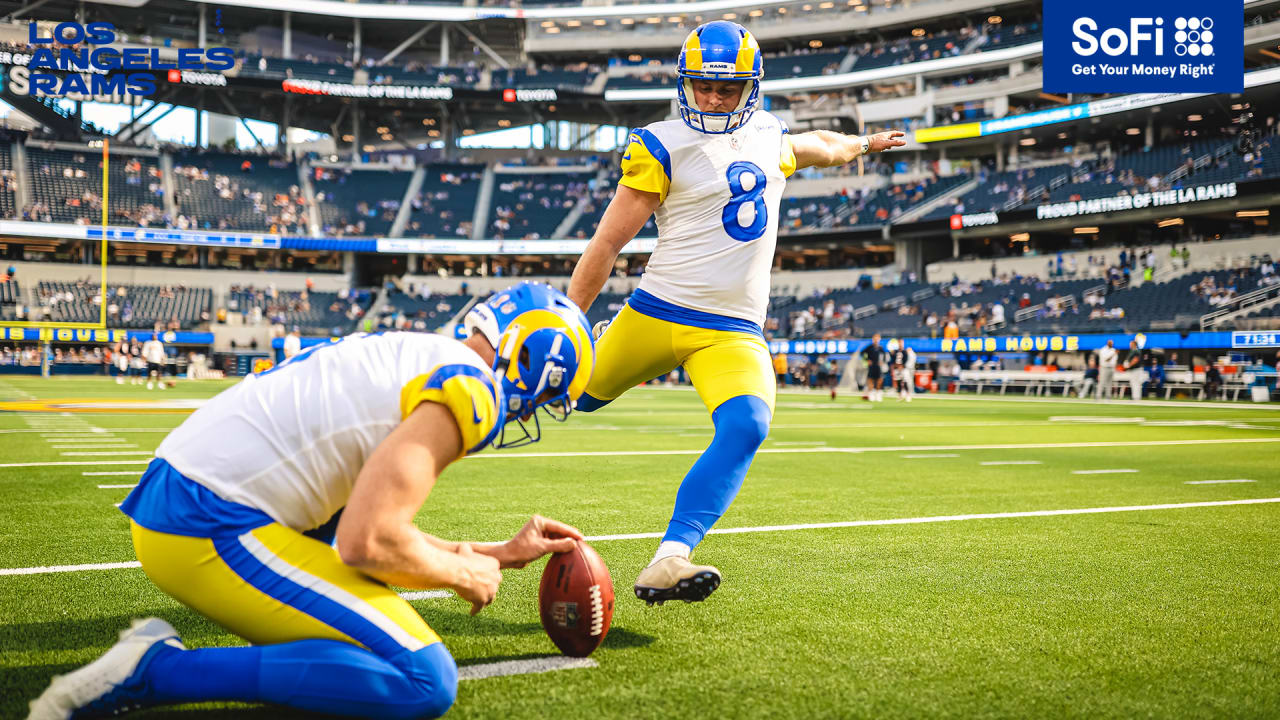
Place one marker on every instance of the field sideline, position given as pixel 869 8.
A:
pixel 994 557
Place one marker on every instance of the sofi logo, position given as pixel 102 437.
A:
pixel 1193 36
pixel 1092 46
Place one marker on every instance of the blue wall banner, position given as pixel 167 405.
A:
pixel 1264 339
pixel 1037 343
pixel 72 335
pixel 1143 46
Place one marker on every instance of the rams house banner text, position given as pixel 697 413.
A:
pixel 78 59
pixel 84 336
pixel 1037 343
pixel 1143 46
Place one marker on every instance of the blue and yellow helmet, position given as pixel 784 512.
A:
pixel 719 50
pixel 543 354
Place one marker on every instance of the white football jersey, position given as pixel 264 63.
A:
pixel 153 351
pixel 718 221
pixel 290 441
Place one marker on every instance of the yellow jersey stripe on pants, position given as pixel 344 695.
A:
pixel 722 364
pixel 275 585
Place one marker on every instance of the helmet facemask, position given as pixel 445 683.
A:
pixel 536 376
pixel 714 123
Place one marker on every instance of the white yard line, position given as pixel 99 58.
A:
pixel 86 432
pixel 425 594
pixel 135 473
pixel 1105 419
pixel 499 455
pixel 931 455
pixel 1011 462
pixel 1110 471
pixel 74 431
pixel 886 448
pixel 531 666
pixel 946 518
pixel 77 463
pixel 70 568
pixel 94 446
pixel 781 528
pixel 11 390
pixel 116 487
pixel 1218 482
pixel 105 454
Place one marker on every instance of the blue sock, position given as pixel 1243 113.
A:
pixel 713 482
pixel 326 676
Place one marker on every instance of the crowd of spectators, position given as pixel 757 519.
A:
pixel 280 212
pixel 384 209
pixel 551 193
pixel 439 206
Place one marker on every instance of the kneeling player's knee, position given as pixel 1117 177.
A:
pixel 587 404
pixel 744 418
pixel 435 677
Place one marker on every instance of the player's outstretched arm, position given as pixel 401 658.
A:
pixel 624 217
pixel 824 148
pixel 376 534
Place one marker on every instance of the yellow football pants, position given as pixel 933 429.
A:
pixel 275 585
pixel 721 364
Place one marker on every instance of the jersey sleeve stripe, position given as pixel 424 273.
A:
pixel 470 395
pixel 655 148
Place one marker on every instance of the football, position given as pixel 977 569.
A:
pixel 575 600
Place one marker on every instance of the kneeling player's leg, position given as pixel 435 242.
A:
pixel 327 638
pixel 733 376
pixel 633 349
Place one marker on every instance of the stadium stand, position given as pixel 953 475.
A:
pixel 445 205
pixel 1175 304
pixel 1195 162
pixel 807 317
pixel 533 206
pixel 66 186
pixel 404 311
pixel 665 77
pixel 887 203
pixel 1011 35
pixel 358 202
pixel 301 69
pixel 800 64
pixel 10 297
pixel 601 194
pixel 605 307
pixel 8 181
pixel 325 313
pixel 172 307
pixel 239 192
pixel 547 76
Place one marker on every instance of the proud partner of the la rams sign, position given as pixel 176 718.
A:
pixel 76 59
pixel 1143 46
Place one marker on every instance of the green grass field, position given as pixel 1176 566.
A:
pixel 1164 612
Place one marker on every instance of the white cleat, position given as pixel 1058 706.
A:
pixel 108 685
pixel 675 578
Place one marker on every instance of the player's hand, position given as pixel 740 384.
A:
pixel 538 537
pixel 599 329
pixel 882 141
pixel 480 578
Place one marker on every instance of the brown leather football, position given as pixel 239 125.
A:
pixel 576 600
